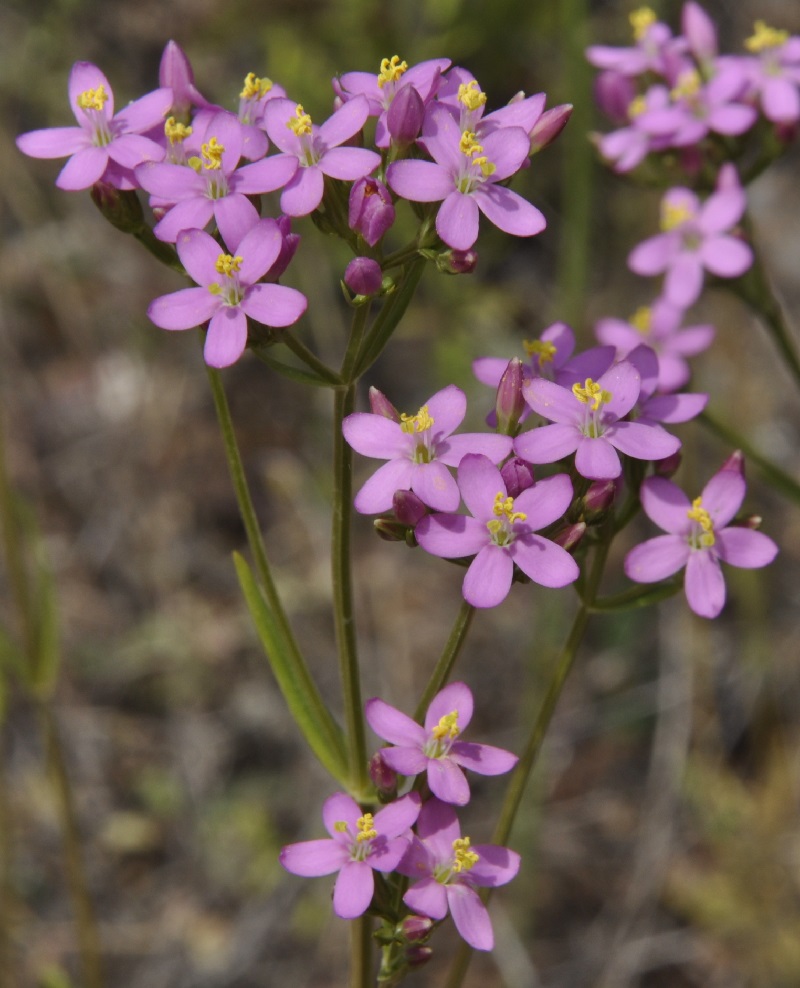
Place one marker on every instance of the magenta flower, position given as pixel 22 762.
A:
pixel 312 151
pixel 175 71
pixel 774 72
pixel 655 48
pixel 462 94
pixel 105 146
pixel 419 449
pixel 699 538
pixel 653 408
pixel 696 238
pixel 449 869
pixel 434 748
pixel 230 291
pixel 359 843
pixel 467 175
pixel 588 421
pixel 501 532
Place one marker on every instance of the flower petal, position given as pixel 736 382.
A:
pixel 596 459
pixel 311 858
pixel 393 725
pixel 745 548
pixel 457 220
pixel 447 781
pixel 455 696
pixel 274 305
pixel 484 759
pixel 226 337
pixel 470 916
pixel 353 890
pixel 451 536
pixel 656 559
pixel 488 579
pixel 509 211
pixel 704 583
pixel 185 309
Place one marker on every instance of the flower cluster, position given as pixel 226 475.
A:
pixel 419 840
pixel 676 93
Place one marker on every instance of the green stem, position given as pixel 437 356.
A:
pixel 778 478
pixel 447 659
pixel 526 764
pixel 300 673
pixel 311 360
pixel 88 938
pixel 15 562
pixel 390 315
pixel 361 952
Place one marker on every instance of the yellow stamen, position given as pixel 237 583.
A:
pixel 93 99
pixel 366 828
pixel 641 20
pixel 391 70
pixel 699 514
pixel 447 727
pixel 689 83
pixel 765 37
pixel 505 506
pixel 465 857
pixel 642 319
pixel 175 131
pixel 340 827
pixel 674 214
pixel 227 264
pixel 543 350
pixel 212 152
pixel 591 392
pixel 301 123
pixel 470 95
pixel 255 88
pixel 636 107
pixel 416 423
pixel 469 146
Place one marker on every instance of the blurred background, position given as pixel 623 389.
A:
pixel 660 834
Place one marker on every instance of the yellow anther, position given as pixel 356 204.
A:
pixel 674 214
pixel 485 165
pixel 447 726
pixel 366 828
pixel 227 264
pixel 391 70
pixel 543 350
pixel 212 152
pixel 255 88
pixel 175 131
pixel 699 514
pixel 470 95
pixel 641 20
pixel 765 37
pixel 591 392
pixel 93 99
pixel 505 506
pixel 642 319
pixel 416 423
pixel 340 827
pixel 636 107
pixel 465 858
pixel 469 145
pixel 301 122
pixel 689 83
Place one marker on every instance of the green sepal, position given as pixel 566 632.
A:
pixel 323 734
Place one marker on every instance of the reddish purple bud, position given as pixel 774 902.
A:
pixel 517 475
pixel 735 462
pixel 408 508
pixel 380 405
pixel 457 261
pixel 175 72
pixel 549 126
pixel 363 276
pixel 668 466
pixel 417 956
pixel 598 499
pixel 415 928
pixel 383 778
pixel 510 404
pixel 614 93
pixel 287 251
pixel 753 522
pixel 371 211
pixel 570 535
pixel 698 29
pixel 404 116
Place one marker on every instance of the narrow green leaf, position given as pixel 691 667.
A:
pixel 642 595
pixel 293 373
pixel 318 727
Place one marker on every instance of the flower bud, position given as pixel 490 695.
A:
pixel 120 207
pixel 549 126
pixel 176 73
pixel 408 508
pixel 415 928
pixel 390 530
pixel 371 211
pixel 753 522
pixel 509 404
pixel 417 956
pixel 289 243
pixel 363 276
pixel 380 405
pixel 735 462
pixel 404 116
pixel 457 261
pixel 668 466
pixel 517 475
pixel 570 535
pixel 598 499
pixel 383 778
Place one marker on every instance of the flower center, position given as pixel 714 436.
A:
pixel 93 99
pixel 674 215
pixel 636 107
pixel 540 350
pixel 640 21
pixel 391 70
pixel 642 320
pixel 175 132
pixel 443 735
pixel 470 148
pixel 300 123
pixel 500 527
pixel 416 423
pixel 591 393
pixel 366 828
pixel 212 152
pixel 705 538
pixel 230 291
pixel 765 37
pixel 470 95
pixel 255 88
pixel 465 858
pixel 688 85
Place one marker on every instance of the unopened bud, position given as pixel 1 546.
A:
pixel 289 244
pixel 176 73
pixel 408 508
pixel 457 261
pixel 363 276
pixel 614 93
pixel 698 29
pixel 549 126
pixel 370 211
pixel 510 404
pixel 404 116
pixel 415 928
pixel 121 207
pixel 383 778
pixel 668 466
pixel 598 499
pixel 735 462
pixel 417 956
pixel 380 405
pixel 517 475
pixel 390 530
pixel 570 535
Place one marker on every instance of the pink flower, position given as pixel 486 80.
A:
pixel 434 748
pixel 104 146
pixel 359 843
